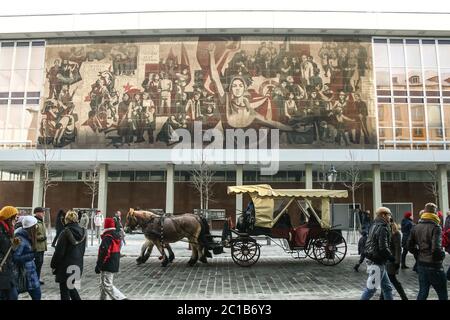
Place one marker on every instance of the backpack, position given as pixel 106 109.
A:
pixel 446 240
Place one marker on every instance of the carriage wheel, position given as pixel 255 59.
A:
pixel 245 252
pixel 330 248
pixel 309 249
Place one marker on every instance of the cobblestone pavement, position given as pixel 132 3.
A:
pixel 275 276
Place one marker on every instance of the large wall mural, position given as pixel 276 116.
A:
pixel 134 93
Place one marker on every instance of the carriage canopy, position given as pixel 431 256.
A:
pixel 263 197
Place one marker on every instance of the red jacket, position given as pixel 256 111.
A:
pixel 109 251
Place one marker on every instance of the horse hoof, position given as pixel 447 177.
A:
pixel 171 259
pixel 203 259
pixel 139 261
pixel 164 264
pixel 191 263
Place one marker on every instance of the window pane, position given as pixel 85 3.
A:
pixel 18 80
pixel 397 55
pixel 386 134
pixel 413 55
pixel 402 134
pixel 447 121
pixel 384 115
pixel 15 116
pixel 444 55
pixel 21 60
pixel 415 82
pixel 142 175
pixel 431 82
pixel 417 115
pixel 445 82
pixel 31 117
pixel 381 55
pixel 3 111
pixel 399 81
pixel 35 80
pixel 37 57
pixel 383 79
pixel 6 54
pixel 429 55
pixel 401 115
pixel 434 115
pixel 5 77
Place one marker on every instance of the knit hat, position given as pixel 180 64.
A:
pixel 8 212
pixel 71 216
pixel 407 214
pixel 28 222
pixel 109 223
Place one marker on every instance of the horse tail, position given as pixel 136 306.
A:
pixel 203 236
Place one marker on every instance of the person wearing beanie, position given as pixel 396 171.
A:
pixel 69 254
pixel 406 226
pixel 24 256
pixel 41 241
pixel 425 241
pixel 108 261
pixel 8 287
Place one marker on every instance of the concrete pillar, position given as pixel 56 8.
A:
pixel 170 186
pixel 309 176
pixel 239 182
pixel 38 186
pixel 102 202
pixel 443 188
pixel 376 187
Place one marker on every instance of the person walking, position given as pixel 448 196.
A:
pixel 406 226
pixel 24 255
pixel 108 261
pixel 8 285
pixel 425 241
pixel 59 226
pixel 393 267
pixel 68 256
pixel 361 249
pixel 98 222
pixel 41 241
pixel 84 221
pixel 378 252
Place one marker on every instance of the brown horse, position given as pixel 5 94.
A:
pixel 161 231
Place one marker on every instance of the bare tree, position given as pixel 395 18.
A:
pixel 202 181
pixel 92 182
pixel 432 187
pixel 352 182
pixel 46 157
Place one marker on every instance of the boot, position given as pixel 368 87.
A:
pixel 356 267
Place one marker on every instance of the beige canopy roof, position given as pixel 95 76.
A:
pixel 265 190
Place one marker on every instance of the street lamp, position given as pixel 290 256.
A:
pixel 331 177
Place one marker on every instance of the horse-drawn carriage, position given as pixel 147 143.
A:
pixel 313 236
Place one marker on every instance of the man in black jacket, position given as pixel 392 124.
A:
pixel 377 251
pixel 425 242
pixel 108 261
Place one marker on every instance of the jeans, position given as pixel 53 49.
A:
pixel 377 276
pixel 35 294
pixel 9 294
pixel 39 261
pixel 107 287
pixel 66 293
pixel 434 277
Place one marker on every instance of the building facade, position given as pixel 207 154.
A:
pixel 141 103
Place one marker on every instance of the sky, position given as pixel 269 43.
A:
pixel 30 7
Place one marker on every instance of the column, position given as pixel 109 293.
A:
pixel 102 203
pixel 239 182
pixel 443 189
pixel 38 186
pixel 170 188
pixel 309 176
pixel 376 187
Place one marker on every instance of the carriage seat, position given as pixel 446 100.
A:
pixel 299 235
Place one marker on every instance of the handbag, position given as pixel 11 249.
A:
pixel 21 279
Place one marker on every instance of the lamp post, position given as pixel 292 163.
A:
pixel 331 178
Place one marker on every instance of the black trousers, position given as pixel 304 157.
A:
pixel 66 293
pixel 58 232
pixel 39 261
pixel 404 253
pixel 397 285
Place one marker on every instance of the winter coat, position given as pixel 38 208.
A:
pixel 84 222
pixel 24 256
pixel 377 248
pixel 396 249
pixel 69 251
pixel 425 241
pixel 109 251
pixel 41 236
pixel 59 226
pixel 99 220
pixel 406 227
pixel 7 273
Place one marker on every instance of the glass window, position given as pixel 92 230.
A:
pixel 3 113
pixel 142 176
pixel 413 54
pixel 157 176
pixel 384 115
pixel 249 176
pixel 418 115
pixel 402 134
pixel 415 82
pixel 31 116
pixel 381 57
pixel 434 123
pixel 35 80
pixel 126 175
pixel 445 82
pixel 231 175
pixel 114 175
pixel 446 121
pixel 5 77
pixel 21 59
pixel 70 175
pixel 444 54
pixel 6 55
pixel 18 80
pixel 397 55
pixel 429 56
pixel 37 57
pixel 401 115
pixel 431 82
pixel 383 82
pixel 386 134
pixel 399 81
pixel 218 176
pixel 15 116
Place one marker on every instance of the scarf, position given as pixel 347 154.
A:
pixel 9 230
pixel 430 216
